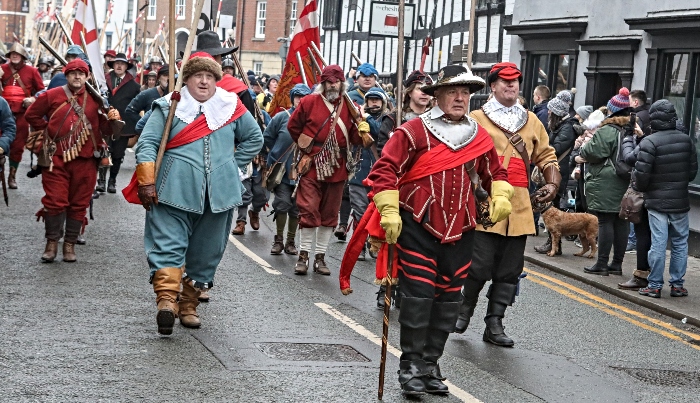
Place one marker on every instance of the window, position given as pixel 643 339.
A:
pixel 257 68
pixel 180 9
pixel 108 40
pixel 151 9
pixel 260 16
pixel 130 11
pixel 553 70
pixel 331 14
pixel 293 16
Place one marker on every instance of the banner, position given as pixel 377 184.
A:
pixel 305 32
pixel 85 23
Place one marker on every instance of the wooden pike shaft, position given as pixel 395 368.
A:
pixel 244 78
pixel 301 69
pixel 385 328
pixel 314 64
pixel 178 85
pixel 399 63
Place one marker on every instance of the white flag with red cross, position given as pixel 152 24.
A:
pixel 85 23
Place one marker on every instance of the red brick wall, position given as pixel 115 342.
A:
pixel 11 22
pixel 275 23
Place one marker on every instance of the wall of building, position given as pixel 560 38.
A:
pixel 262 49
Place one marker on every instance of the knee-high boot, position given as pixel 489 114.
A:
pixel 414 318
pixel 189 301
pixel 470 296
pixel 442 322
pixel 53 225
pixel 102 179
pixel 500 297
pixel 166 285
pixel 73 228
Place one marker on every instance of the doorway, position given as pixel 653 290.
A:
pixel 607 86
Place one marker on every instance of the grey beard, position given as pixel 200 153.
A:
pixel 331 95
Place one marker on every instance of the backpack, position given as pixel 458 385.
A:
pixel 622 169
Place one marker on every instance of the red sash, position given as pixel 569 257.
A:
pixel 189 134
pixel 438 159
pixel 517 173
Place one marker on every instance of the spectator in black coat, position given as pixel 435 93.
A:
pixel 540 97
pixel 638 102
pixel 666 163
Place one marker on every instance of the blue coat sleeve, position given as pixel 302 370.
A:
pixel 138 104
pixel 7 126
pixel 149 141
pixel 142 122
pixel 248 137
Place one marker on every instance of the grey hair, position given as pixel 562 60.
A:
pixel 319 88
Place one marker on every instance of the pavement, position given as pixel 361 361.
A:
pixel 687 308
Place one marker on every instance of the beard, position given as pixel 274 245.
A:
pixel 332 95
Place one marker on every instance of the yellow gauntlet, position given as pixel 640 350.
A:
pixel 387 203
pixel 501 193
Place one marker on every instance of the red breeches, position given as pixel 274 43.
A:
pixel 17 147
pixel 318 202
pixel 69 186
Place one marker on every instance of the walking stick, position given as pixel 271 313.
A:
pixel 385 329
pixel 4 186
pixel 175 97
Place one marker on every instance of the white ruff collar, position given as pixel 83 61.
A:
pixel 511 118
pixel 217 110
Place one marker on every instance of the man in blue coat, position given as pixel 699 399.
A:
pixel 8 129
pixel 281 146
pixel 191 199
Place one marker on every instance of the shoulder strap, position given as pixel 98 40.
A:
pixel 15 75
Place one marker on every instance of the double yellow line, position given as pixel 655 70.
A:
pixel 619 311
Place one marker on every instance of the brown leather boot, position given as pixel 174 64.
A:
pixel 320 265
pixel 69 252
pixel 204 296
pixel 73 228
pixel 277 245
pixel 254 219
pixel 290 248
pixel 189 300
pixel 11 181
pixel 302 265
pixel 50 252
pixel 240 228
pixel 166 285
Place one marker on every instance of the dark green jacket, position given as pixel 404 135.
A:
pixel 603 188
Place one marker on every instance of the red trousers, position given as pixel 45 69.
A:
pixel 318 202
pixel 69 186
pixel 17 147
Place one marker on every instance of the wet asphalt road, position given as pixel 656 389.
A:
pixel 86 331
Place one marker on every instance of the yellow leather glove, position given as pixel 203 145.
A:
pixel 363 127
pixel 387 203
pixel 501 193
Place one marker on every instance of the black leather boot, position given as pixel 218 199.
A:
pixel 102 179
pixel 599 268
pixel 414 318
pixel 442 322
pixel 470 296
pixel 615 267
pixel 546 248
pixel 396 291
pixel 500 296
pixel 112 185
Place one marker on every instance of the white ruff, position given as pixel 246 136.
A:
pixel 510 118
pixel 217 110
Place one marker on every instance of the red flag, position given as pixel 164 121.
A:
pixel 85 22
pixel 305 32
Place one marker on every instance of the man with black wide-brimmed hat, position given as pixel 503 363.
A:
pixel 433 224
pixel 122 89
pixel 520 139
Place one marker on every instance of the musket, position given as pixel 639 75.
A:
pixel 65 31
pixel 175 99
pixel 4 186
pixel 244 78
pixel 119 124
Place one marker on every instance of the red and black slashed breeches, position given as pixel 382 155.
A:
pixel 428 268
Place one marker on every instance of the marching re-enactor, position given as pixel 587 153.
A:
pixel 323 128
pixel 20 83
pixel 73 142
pixel 425 184
pixel 520 139
pixel 190 203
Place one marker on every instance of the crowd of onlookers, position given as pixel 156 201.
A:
pixel 602 152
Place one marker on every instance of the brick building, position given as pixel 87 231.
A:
pixel 259 23
pixel 14 16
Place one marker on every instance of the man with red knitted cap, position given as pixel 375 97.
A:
pixel 20 83
pixel 190 201
pixel 323 128
pixel 72 148
pixel 520 140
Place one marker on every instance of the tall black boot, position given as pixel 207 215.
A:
pixel 470 296
pixel 442 322
pixel 414 318
pixel 500 297
pixel 547 247
pixel 102 179
pixel 113 172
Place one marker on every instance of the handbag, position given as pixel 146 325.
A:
pixel 273 174
pixel 632 205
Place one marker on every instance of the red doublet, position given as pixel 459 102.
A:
pixel 28 74
pixel 32 82
pixel 65 118
pixel 442 202
pixel 311 117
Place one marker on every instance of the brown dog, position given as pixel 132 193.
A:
pixel 560 223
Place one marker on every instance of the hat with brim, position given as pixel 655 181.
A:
pixel 209 42
pixel 455 75
pixel 121 57
pixel 19 49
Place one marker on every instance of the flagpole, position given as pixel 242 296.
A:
pixel 143 45
pixel 104 26
pixel 171 41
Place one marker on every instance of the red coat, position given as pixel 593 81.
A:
pixel 47 103
pixel 309 118
pixel 446 197
pixel 28 74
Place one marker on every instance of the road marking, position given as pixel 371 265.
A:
pixel 603 301
pixel 349 322
pixel 257 259
pixel 610 311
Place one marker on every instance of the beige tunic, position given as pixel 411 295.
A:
pixel 520 221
